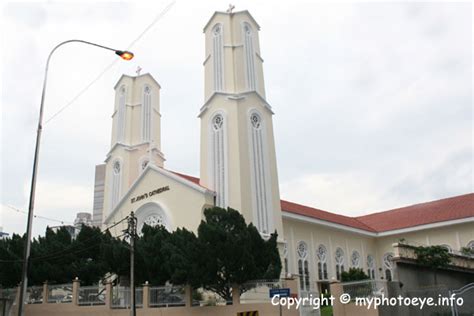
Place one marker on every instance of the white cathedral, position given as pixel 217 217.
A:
pixel 238 169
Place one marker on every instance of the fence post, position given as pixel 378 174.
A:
pixel 188 296
pixel 108 295
pixel 146 295
pixel 17 299
pixel 45 292
pixel 336 291
pixel 76 283
pixel 235 294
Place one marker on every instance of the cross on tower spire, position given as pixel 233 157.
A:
pixel 139 69
pixel 231 7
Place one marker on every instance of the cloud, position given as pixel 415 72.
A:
pixel 373 101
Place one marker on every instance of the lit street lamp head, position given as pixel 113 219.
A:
pixel 125 55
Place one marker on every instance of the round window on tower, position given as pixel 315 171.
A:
pixel 247 29
pixel 256 120
pixel 116 167
pixel 217 122
pixel 217 30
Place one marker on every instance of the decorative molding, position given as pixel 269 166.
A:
pixel 218 56
pixel 260 174
pixel 121 123
pixel 302 218
pixel 233 46
pixel 246 12
pixel 132 148
pixel 135 77
pixel 146 118
pixel 251 80
pixel 218 157
pixel 234 96
pixel 427 226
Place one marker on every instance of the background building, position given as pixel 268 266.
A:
pixel 98 195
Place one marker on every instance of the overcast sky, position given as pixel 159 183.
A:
pixel 372 101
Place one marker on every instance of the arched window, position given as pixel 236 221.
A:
pixel 339 258
pixel 322 255
pixel 116 183
pixel 303 266
pixel 388 266
pixel 355 259
pixel 146 114
pixel 470 245
pixel 152 214
pixel 218 57
pixel 259 174
pixel 371 267
pixel 249 57
pixel 219 159
pixel 121 111
pixel 285 257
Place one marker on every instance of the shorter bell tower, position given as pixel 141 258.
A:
pixel 136 135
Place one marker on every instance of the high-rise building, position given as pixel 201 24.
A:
pixel 98 205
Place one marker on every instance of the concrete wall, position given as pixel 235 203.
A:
pixel 72 309
pixel 415 277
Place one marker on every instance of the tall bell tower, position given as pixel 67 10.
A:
pixel 238 158
pixel 136 136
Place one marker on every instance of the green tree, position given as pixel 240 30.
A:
pixel 184 257
pixel 87 263
pixel 150 259
pixel 354 274
pixel 433 257
pixel 11 254
pixel 51 257
pixel 233 252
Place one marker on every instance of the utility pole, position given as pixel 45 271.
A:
pixel 132 233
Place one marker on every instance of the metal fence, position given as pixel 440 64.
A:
pixel 34 295
pixel 7 301
pixel 467 294
pixel 258 291
pixel 365 288
pixel 9 294
pixel 167 296
pixel 121 297
pixel 60 293
pixel 91 295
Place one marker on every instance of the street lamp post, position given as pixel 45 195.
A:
pixel 126 55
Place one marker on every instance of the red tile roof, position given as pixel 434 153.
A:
pixel 189 178
pixel 323 215
pixel 452 208
pixel 457 207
